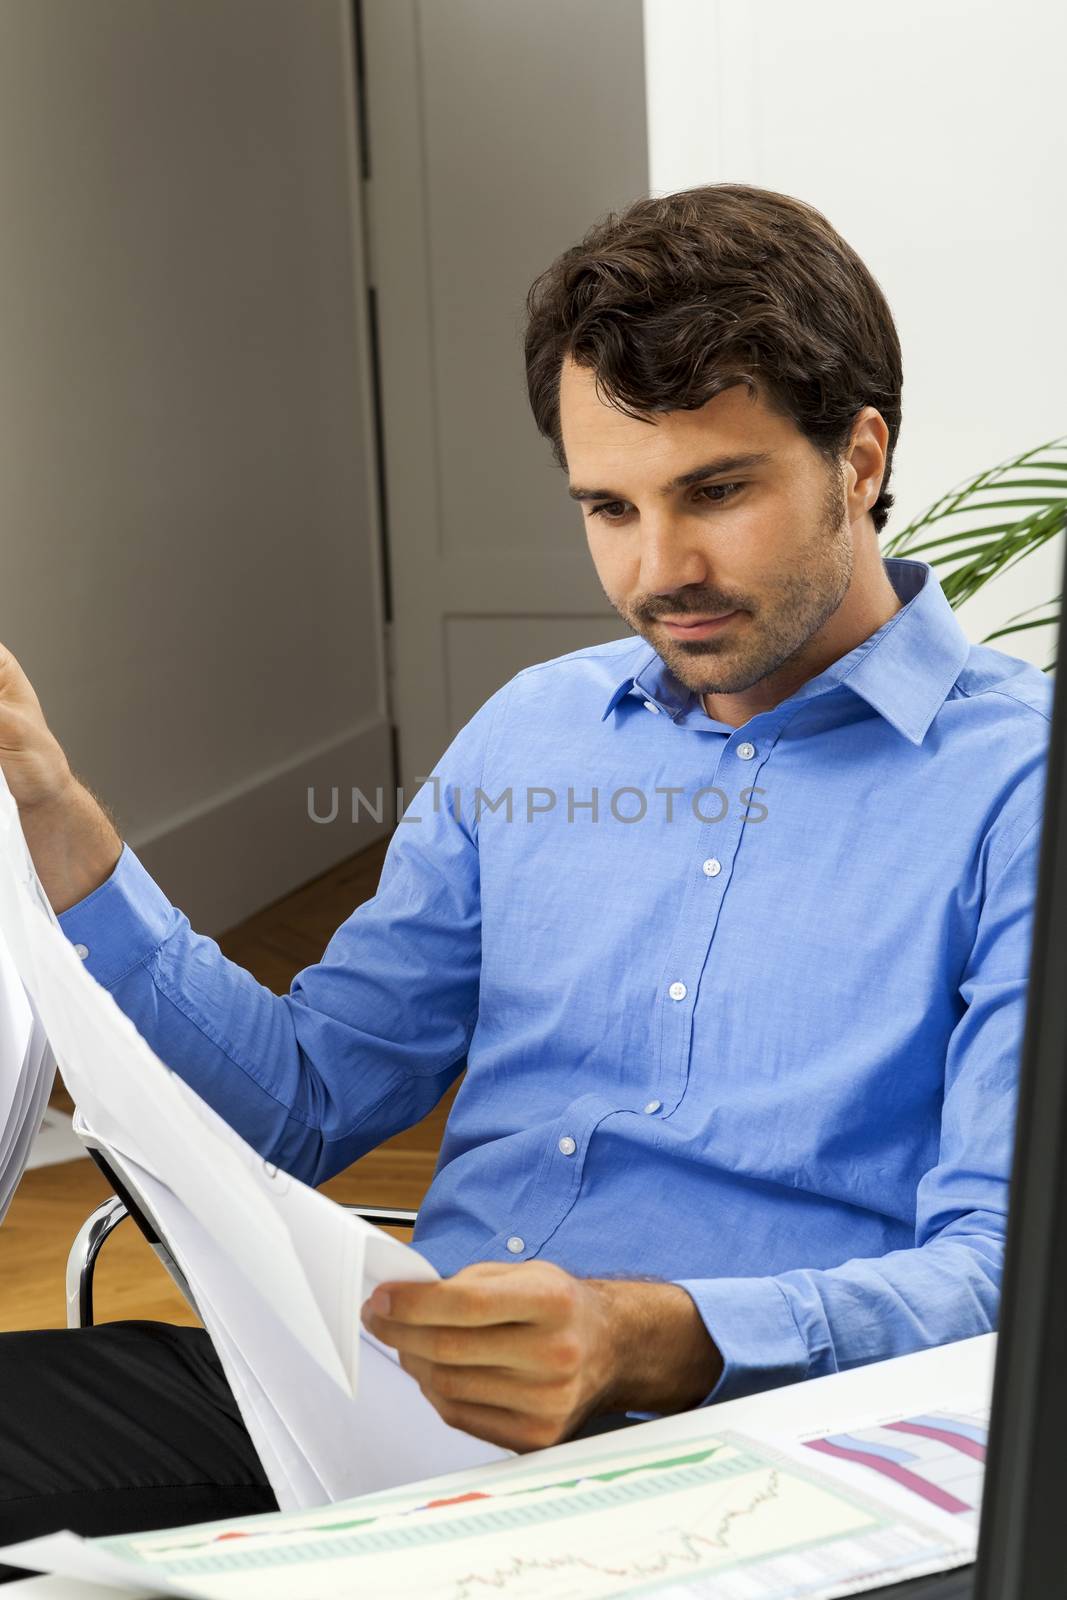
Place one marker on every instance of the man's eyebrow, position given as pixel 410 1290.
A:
pixel 710 469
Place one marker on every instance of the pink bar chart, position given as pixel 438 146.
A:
pixel 937 1456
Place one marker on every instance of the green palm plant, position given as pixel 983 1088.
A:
pixel 991 522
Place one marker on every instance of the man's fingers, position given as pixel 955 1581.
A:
pixel 15 687
pixel 532 1292
pixel 449 1346
pixel 443 1304
pixel 514 1347
pixel 491 1405
pixel 512 1430
pixel 484 1386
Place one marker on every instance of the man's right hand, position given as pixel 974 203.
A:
pixel 32 758
pixel 72 841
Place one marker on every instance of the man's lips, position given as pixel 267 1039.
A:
pixel 695 627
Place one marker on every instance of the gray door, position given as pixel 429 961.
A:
pixel 497 132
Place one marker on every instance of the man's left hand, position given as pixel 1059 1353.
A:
pixel 522 1353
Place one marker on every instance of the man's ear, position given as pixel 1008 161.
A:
pixel 865 462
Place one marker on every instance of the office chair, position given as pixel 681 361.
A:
pixel 101 1224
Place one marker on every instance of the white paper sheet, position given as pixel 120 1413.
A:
pixel 69 1556
pixel 27 1071
pixel 73 1589
pixel 277 1270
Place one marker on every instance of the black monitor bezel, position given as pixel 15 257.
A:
pixel 1022 1550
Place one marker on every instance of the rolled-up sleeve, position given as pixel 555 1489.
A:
pixel 368 1039
pixel 805 1323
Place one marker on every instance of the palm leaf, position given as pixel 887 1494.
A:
pixel 975 547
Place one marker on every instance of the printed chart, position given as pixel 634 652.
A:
pixel 729 1518
pixel 938 1456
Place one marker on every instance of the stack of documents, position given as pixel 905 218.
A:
pixel 27 1067
pixel 277 1271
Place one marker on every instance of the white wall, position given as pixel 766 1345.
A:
pixel 931 133
pixel 187 522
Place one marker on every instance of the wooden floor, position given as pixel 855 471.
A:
pixel 53 1202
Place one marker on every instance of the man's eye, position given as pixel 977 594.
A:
pixel 719 493
pixel 716 494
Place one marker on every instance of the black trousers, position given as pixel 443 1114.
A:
pixel 117 1429
pixel 125 1427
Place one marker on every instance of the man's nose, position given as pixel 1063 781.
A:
pixel 671 557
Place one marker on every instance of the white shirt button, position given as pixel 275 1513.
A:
pixel 677 991
pixel 567 1146
pixel 516 1245
pixel 712 868
pixel 746 751
pixel 650 705
pixel 81 950
pixel 652 1107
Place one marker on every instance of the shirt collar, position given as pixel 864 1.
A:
pixel 904 670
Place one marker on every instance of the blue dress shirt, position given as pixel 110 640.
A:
pixel 740 1008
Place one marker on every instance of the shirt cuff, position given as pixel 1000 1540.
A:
pixel 121 924
pixel 755 1332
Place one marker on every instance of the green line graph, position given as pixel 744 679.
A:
pixel 335 1528
pixel 614 1490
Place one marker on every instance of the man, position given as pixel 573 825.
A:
pixel 728 922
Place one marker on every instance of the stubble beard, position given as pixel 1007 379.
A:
pixel 769 636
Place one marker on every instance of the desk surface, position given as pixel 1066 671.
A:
pixel 916 1382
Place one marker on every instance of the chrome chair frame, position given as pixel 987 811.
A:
pixel 81 1262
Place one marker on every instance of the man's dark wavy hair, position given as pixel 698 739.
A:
pixel 673 300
